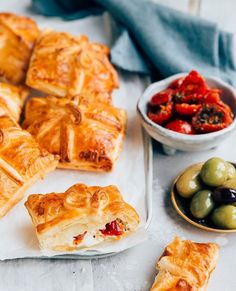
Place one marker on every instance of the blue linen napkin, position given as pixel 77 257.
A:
pixel 153 36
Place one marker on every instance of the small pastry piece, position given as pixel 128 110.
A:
pixel 185 265
pixel 17 37
pixel 81 217
pixel 22 163
pixel 65 65
pixel 12 99
pixel 87 137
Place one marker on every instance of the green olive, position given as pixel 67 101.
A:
pixel 201 204
pixel 189 182
pixel 230 183
pixel 231 171
pixel 225 216
pixel 214 172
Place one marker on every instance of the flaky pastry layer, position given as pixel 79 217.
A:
pixel 12 99
pixel 17 37
pixel 185 266
pixel 64 65
pixel 22 162
pixel 67 221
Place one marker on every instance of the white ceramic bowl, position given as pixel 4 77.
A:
pixel 172 140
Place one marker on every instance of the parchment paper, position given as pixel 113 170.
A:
pixel 17 235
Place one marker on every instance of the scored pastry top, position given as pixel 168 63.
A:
pixel 87 137
pixel 66 65
pixel 96 205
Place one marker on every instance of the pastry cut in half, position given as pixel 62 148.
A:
pixel 86 137
pixel 12 99
pixel 22 163
pixel 81 217
pixel 186 265
pixel 65 65
pixel 17 37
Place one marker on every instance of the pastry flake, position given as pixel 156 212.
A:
pixel 65 65
pixel 81 217
pixel 86 137
pixel 185 265
pixel 17 38
pixel 12 99
pixel 22 163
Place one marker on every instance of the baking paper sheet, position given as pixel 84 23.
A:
pixel 18 239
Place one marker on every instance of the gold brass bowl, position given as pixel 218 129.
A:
pixel 181 205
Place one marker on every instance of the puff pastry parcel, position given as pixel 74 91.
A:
pixel 185 265
pixel 81 217
pixel 65 65
pixel 17 38
pixel 12 99
pixel 87 137
pixel 22 163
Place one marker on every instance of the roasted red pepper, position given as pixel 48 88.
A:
pixel 162 113
pixel 212 96
pixel 162 97
pixel 212 117
pixel 180 126
pixel 79 238
pixel 194 83
pixel 186 109
pixel 192 89
pixel 112 228
pixel 176 83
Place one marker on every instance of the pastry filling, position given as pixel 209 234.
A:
pixel 114 228
pixel 78 239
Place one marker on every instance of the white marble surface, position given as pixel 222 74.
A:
pixel 132 270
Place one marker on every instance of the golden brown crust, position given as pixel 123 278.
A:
pixel 87 137
pixel 17 36
pixel 65 65
pixel 22 162
pixel 12 99
pixel 166 281
pixel 185 265
pixel 86 208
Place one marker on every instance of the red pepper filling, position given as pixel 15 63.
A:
pixel 112 228
pixel 79 238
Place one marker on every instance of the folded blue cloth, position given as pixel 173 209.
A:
pixel 153 36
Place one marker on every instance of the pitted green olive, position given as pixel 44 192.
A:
pixel 189 182
pixel 225 216
pixel 214 172
pixel 231 171
pixel 201 204
pixel 230 183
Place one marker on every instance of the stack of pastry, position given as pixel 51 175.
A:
pixel 22 160
pixel 75 127
pixel 77 121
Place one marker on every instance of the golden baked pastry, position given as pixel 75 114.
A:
pixel 81 217
pixel 12 99
pixel 87 137
pixel 22 163
pixel 64 65
pixel 17 37
pixel 186 266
